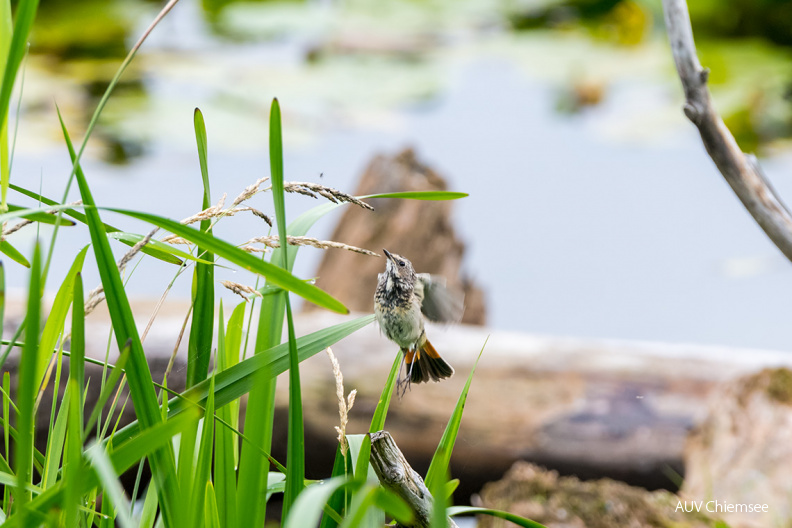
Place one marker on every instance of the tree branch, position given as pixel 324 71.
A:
pixel 740 171
pixel 395 474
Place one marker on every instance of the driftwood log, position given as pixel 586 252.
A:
pixel 742 172
pixel 396 474
pixel 595 408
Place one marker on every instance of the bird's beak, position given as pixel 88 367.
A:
pixel 387 254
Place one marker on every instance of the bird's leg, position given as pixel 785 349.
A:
pixel 402 384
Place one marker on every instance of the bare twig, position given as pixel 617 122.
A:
pixel 739 170
pixel 395 474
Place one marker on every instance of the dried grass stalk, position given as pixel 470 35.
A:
pixel 241 289
pixel 274 242
pixel 344 405
pixel 334 195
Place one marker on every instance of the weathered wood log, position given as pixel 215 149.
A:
pixel 594 408
pixel 396 474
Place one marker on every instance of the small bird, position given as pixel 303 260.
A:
pixel 402 299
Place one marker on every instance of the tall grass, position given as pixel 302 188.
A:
pixel 205 470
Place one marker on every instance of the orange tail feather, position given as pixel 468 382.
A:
pixel 425 364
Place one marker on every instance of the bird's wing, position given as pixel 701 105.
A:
pixel 438 302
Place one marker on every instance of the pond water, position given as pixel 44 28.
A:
pixel 609 222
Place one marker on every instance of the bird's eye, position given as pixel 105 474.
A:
pixel 401 263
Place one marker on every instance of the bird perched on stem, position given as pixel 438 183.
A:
pixel 402 299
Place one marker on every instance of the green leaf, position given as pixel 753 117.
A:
pixel 223 249
pixel 295 447
pixel 438 469
pixel 394 506
pixel 204 463
pixel 57 316
pixel 44 218
pixel 239 379
pixel 199 348
pixel 378 420
pixel 342 467
pixel 109 387
pixel 67 210
pixel 308 506
pixel 164 252
pixel 123 457
pixel 259 416
pixel 77 352
pixel 141 384
pixel 11 252
pixel 211 516
pixel 6 30
pixel 226 442
pixel 149 514
pixel 111 485
pixel 55 442
pixel 25 13
pixel 439 499
pixel 516 519
pixel 72 458
pixel 27 388
pixel 6 431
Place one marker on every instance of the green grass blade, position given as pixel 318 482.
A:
pixel 56 439
pixel 308 506
pixel 6 431
pixel 378 420
pixel 109 387
pixel 393 505
pixel 141 384
pixel 25 13
pixel 6 30
pixel 211 514
pixel 113 492
pixel 13 253
pixel 295 450
pixel 77 352
pixel 361 512
pixel 362 466
pixel 80 217
pixel 149 513
pixel 57 316
pixel 123 457
pixel 204 462
pixel 27 388
pixel 259 414
pixel 199 348
pixel 516 519
pixel 438 469
pixel 240 379
pixel 342 467
pixel 164 251
pixel 225 458
pixel 439 499
pixel 43 218
pixel 274 274
pixel 200 139
pixel 2 295
pixel 72 458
